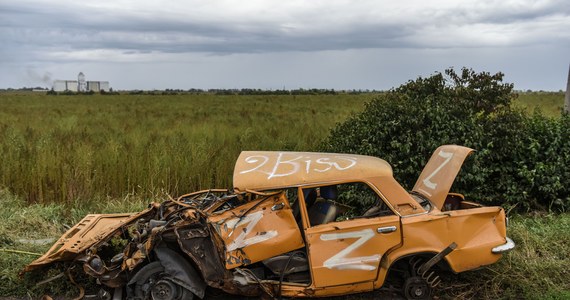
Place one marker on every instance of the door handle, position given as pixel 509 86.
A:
pixel 386 229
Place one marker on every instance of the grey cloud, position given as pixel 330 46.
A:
pixel 500 12
pixel 133 33
pixel 78 27
pixel 70 28
pixel 58 33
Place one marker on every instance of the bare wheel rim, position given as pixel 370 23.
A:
pixel 416 288
pixel 165 290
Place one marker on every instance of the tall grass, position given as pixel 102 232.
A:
pixel 76 148
pixel 70 148
pixel 60 155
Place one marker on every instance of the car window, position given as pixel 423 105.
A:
pixel 341 202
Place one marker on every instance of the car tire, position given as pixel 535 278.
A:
pixel 152 283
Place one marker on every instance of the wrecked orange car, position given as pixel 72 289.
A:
pixel 290 228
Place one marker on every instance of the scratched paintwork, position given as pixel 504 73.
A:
pixel 353 250
pixel 262 170
pixel 260 234
pixel 228 234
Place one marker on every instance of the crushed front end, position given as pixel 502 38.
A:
pixel 115 249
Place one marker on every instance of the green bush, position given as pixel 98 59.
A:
pixel 521 160
pixel 544 163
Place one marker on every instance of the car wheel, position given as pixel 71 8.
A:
pixel 153 283
pixel 416 288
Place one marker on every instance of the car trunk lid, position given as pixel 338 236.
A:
pixel 439 173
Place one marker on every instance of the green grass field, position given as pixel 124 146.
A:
pixel 78 148
pixel 75 148
pixel 65 156
pixel 548 103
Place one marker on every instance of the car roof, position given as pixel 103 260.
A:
pixel 264 170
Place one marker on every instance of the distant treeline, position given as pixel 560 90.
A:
pixel 247 91
pixel 24 89
pixel 250 92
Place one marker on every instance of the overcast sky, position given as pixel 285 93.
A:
pixel 142 44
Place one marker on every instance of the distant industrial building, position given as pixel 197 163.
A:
pixel 80 85
pixel 65 85
pixel 98 86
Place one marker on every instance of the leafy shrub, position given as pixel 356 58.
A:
pixel 521 161
pixel 544 164
pixel 67 93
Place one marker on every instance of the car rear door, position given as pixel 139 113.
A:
pixel 257 230
pixel 350 251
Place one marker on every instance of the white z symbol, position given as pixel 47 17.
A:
pixel 447 156
pixel 341 262
pixel 241 241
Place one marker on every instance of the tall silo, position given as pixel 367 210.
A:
pixel 82 86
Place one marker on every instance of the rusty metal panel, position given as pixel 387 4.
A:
pixel 258 230
pixel 90 230
pixel 196 242
pixel 295 291
pixel 350 251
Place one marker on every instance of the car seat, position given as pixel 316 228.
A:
pixel 325 211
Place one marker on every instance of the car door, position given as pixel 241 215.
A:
pixel 257 230
pixel 347 252
pixel 350 252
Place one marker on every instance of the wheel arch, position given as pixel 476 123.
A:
pixel 181 270
pixel 443 264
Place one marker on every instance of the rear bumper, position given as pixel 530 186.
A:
pixel 508 246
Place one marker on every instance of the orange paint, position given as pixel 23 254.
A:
pixel 287 229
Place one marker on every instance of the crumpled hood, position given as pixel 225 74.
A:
pixel 91 230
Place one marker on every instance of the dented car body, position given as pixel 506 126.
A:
pixel 290 228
